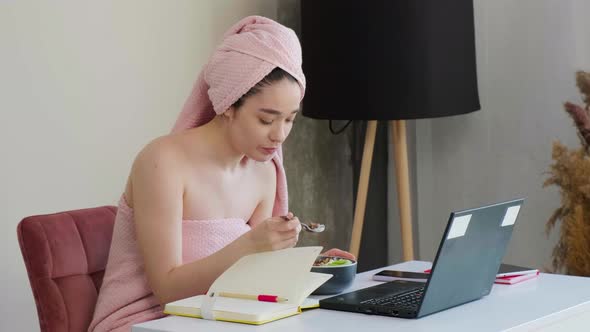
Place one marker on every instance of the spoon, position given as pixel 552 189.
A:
pixel 311 227
pixel 314 227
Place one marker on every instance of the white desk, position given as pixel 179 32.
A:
pixel 549 302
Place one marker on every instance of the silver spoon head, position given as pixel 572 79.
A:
pixel 313 227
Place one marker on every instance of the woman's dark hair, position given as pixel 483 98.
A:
pixel 275 75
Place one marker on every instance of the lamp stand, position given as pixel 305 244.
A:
pixel 400 150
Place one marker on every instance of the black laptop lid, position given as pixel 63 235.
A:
pixel 469 255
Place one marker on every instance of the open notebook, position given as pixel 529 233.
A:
pixel 285 273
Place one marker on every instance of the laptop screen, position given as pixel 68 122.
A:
pixel 469 255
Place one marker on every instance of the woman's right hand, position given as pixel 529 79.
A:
pixel 275 233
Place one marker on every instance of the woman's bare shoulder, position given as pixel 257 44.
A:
pixel 267 173
pixel 163 152
pixel 160 160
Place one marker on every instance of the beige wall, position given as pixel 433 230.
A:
pixel 83 86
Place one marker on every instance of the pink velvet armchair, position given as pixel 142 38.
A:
pixel 65 255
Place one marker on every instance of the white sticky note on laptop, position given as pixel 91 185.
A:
pixel 510 216
pixel 459 226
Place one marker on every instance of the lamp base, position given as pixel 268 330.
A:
pixel 398 130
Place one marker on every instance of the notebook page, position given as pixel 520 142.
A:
pixel 282 272
pixel 314 280
pixel 250 307
pixel 255 309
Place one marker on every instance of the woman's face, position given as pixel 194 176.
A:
pixel 263 122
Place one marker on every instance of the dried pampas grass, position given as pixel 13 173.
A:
pixel 570 171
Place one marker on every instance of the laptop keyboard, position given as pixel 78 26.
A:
pixel 408 300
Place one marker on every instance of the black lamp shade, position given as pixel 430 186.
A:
pixel 388 59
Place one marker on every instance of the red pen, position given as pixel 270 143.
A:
pixel 261 297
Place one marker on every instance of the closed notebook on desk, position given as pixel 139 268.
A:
pixel 284 273
pixel 513 274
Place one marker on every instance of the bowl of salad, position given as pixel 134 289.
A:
pixel 343 271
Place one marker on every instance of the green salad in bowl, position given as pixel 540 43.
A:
pixel 331 261
pixel 343 272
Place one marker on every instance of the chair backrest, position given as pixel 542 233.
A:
pixel 65 255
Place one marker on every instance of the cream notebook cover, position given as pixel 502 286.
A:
pixel 285 273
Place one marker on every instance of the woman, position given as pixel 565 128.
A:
pixel 213 190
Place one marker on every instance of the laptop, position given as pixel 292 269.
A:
pixel 464 270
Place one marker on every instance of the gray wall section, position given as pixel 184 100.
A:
pixel 319 168
pixel 374 242
pixel 319 174
pixel 528 52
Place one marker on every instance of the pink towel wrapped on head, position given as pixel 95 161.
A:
pixel 250 50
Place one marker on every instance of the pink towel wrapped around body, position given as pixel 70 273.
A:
pixel 250 50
